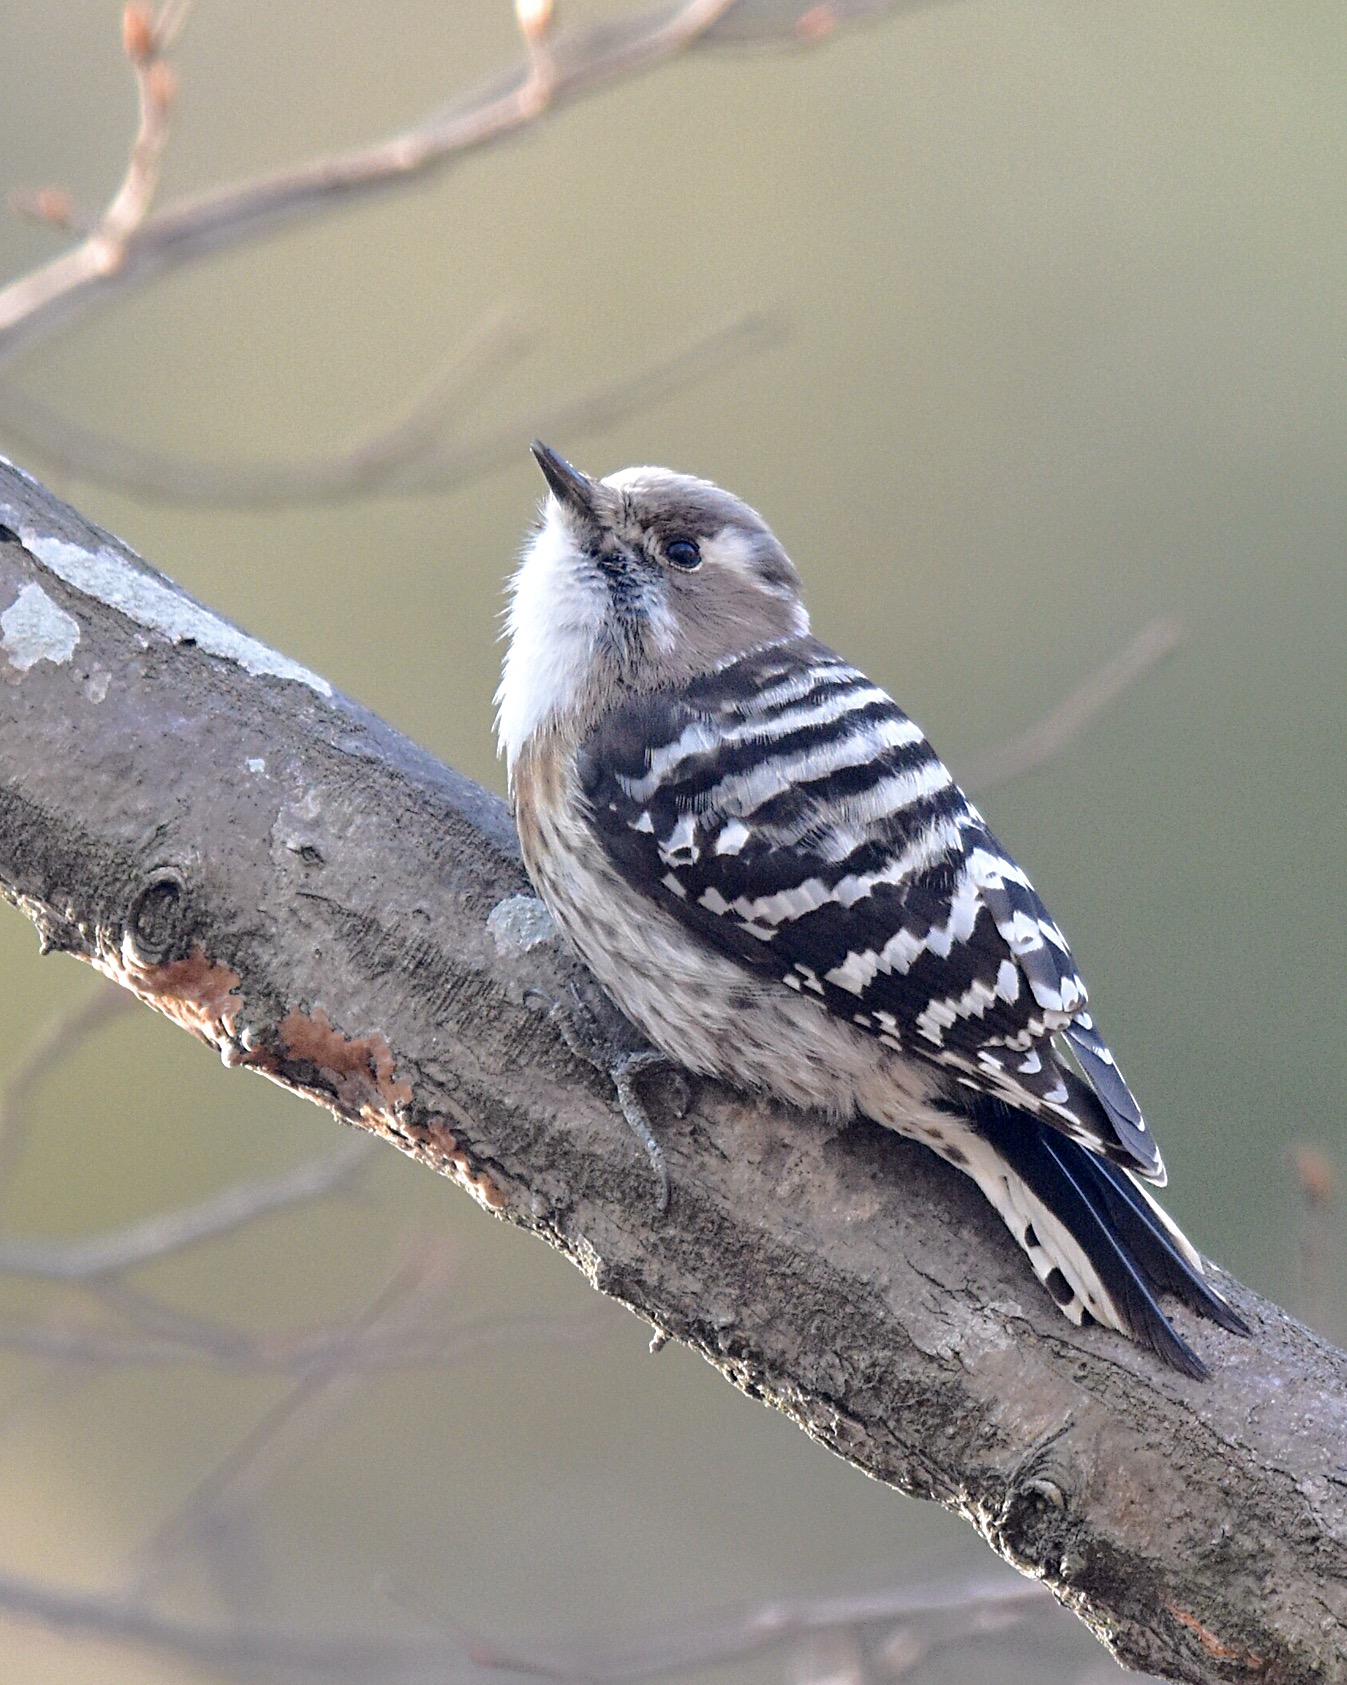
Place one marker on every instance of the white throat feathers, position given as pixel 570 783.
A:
pixel 641 580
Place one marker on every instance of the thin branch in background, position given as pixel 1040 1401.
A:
pixel 225 1502
pixel 922 1613
pixel 122 252
pixel 238 1649
pixel 858 1655
pixel 192 1340
pixel 1052 737
pixel 367 466
pixel 1320 1237
pixel 145 39
pixel 986 1604
pixel 57 1041
pixel 423 452
pixel 710 353
pixel 171 1231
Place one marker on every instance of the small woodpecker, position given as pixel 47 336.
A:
pixel 764 861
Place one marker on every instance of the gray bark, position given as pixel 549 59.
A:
pixel 326 904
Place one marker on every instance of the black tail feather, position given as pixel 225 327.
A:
pixel 1124 1115
pixel 1128 1246
pixel 1152 1247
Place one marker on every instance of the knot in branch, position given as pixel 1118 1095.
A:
pixel 160 923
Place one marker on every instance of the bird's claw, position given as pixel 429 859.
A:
pixel 575 1021
pixel 624 1073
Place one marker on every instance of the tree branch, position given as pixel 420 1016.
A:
pixel 921 1619
pixel 970 1606
pixel 1053 736
pixel 167 1232
pixel 425 450
pixel 129 246
pixel 279 872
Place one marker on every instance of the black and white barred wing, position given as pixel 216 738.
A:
pixel 789 812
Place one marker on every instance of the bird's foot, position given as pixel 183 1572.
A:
pixel 577 1023
pixel 624 1072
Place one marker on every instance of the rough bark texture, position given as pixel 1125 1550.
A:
pixel 321 901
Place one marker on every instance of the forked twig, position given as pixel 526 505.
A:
pixel 146 38
pixel 133 245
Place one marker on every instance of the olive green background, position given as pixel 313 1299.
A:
pixel 1063 287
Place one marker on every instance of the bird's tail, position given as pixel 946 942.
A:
pixel 1096 1239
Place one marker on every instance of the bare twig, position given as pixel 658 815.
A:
pixel 1053 736
pixel 987 1603
pixel 170 1231
pixel 186 1339
pixel 369 465
pixel 102 253
pixel 342 1658
pixel 420 453
pixel 232 1488
pixel 129 247
pixel 146 39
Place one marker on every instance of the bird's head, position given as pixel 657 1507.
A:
pixel 632 584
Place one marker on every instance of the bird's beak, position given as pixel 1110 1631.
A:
pixel 572 489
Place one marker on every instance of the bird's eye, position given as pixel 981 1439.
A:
pixel 683 553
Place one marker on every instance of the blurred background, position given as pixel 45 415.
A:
pixel 1058 311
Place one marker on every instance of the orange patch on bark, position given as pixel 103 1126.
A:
pixel 360 1068
pixel 480 1186
pixel 1212 1645
pixel 436 1145
pixel 195 992
pixel 202 997
pixel 443 1151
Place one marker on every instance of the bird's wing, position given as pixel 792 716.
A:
pixel 786 810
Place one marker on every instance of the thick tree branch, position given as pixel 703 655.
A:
pixel 322 902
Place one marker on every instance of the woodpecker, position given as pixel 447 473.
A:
pixel 763 860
